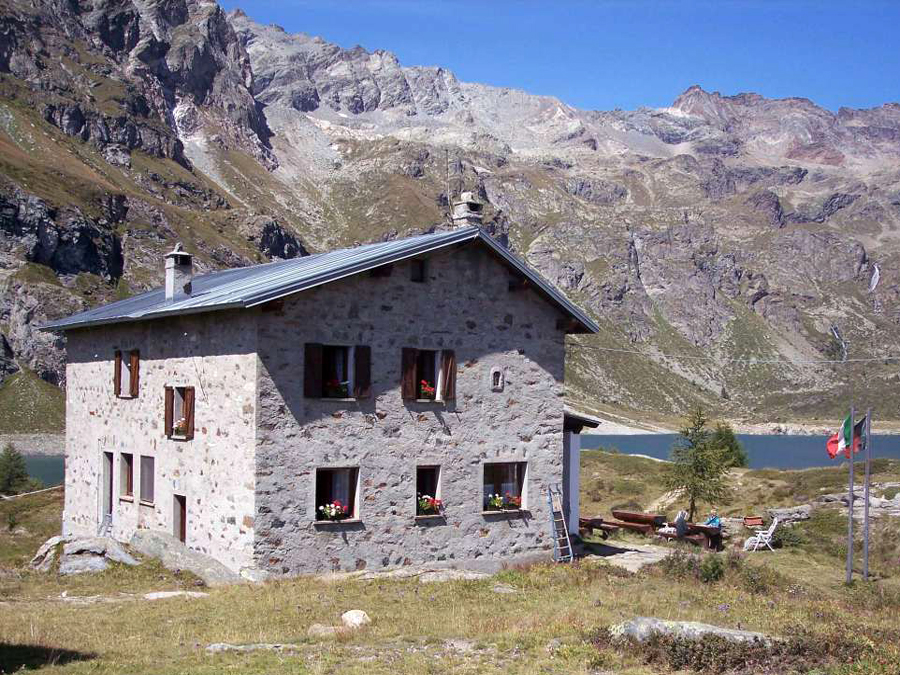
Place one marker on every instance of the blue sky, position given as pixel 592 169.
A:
pixel 605 54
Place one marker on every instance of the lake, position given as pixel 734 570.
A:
pixel 49 469
pixel 774 451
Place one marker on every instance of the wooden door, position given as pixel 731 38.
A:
pixel 180 519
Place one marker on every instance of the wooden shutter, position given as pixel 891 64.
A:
pixel 135 371
pixel 170 411
pixel 189 408
pixel 448 375
pixel 362 371
pixel 312 371
pixel 408 373
pixel 117 374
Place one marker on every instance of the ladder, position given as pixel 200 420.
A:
pixel 562 545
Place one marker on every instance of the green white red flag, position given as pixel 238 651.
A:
pixel 841 440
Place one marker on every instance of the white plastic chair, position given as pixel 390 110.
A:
pixel 762 537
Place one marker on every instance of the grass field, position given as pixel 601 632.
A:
pixel 549 624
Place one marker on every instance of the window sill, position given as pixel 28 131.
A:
pixel 178 437
pixel 126 396
pixel 145 503
pixel 429 400
pixel 331 523
pixel 430 516
pixel 126 498
pixel 504 512
pixel 345 399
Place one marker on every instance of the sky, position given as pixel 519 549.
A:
pixel 607 54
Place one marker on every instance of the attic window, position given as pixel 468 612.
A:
pixel 337 371
pixel 418 271
pixel 428 374
pixel 126 373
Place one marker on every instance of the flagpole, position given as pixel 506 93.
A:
pixel 850 501
pixel 868 437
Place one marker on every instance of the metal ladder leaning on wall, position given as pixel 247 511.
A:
pixel 562 545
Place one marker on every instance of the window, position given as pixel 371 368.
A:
pixel 418 271
pixel 179 414
pixel 126 373
pixel 336 494
pixel 126 475
pixel 504 486
pixel 337 371
pixel 147 479
pixel 428 491
pixel 428 374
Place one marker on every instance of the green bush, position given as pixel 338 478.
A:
pixel 712 568
pixel 681 564
pixel 788 537
pixel 760 579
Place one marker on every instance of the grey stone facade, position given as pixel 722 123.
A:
pixel 249 474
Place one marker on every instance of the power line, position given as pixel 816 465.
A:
pixel 750 361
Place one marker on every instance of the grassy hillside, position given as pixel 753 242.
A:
pixel 30 405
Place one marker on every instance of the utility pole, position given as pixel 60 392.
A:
pixel 868 437
pixel 850 500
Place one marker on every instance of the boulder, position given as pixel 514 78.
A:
pixel 80 555
pixel 791 514
pixel 174 555
pixel 355 618
pixel 438 576
pixel 165 595
pixel 643 628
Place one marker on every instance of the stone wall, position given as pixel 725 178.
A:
pixel 216 354
pixel 465 305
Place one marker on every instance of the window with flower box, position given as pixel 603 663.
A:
pixel 179 414
pixel 428 374
pixel 337 371
pixel 428 491
pixel 336 491
pixel 504 486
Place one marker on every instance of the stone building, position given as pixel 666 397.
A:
pixel 304 415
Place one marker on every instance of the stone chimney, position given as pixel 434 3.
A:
pixel 179 272
pixel 466 211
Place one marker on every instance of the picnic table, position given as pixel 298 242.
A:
pixel 708 537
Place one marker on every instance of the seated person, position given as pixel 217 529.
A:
pixel 713 520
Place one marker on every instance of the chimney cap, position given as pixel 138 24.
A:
pixel 179 254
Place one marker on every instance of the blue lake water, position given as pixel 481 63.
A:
pixel 49 469
pixel 774 452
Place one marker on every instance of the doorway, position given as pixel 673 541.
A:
pixel 107 485
pixel 179 518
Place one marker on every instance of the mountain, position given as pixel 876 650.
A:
pixel 722 243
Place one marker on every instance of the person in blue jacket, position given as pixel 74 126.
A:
pixel 713 520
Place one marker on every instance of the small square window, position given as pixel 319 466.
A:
pixel 337 371
pixel 418 271
pixel 504 486
pixel 428 491
pixel 148 478
pixel 336 491
pixel 126 475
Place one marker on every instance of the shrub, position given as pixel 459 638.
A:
pixel 13 472
pixel 760 579
pixel 681 564
pixel 803 652
pixel 712 568
pixel 788 537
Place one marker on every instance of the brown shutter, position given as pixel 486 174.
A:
pixel 117 374
pixel 312 371
pixel 170 410
pixel 448 375
pixel 408 374
pixel 362 371
pixel 135 371
pixel 189 412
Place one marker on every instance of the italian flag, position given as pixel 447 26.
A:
pixel 841 441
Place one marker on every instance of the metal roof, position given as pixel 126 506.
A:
pixel 251 286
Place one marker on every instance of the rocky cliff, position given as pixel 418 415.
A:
pixel 713 240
